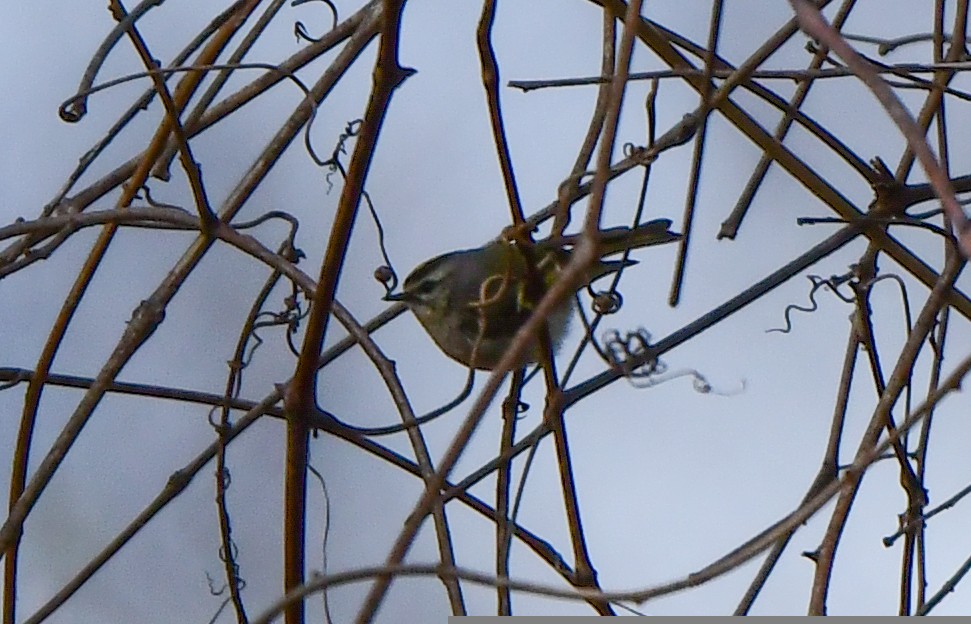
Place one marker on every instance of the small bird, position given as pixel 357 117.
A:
pixel 473 301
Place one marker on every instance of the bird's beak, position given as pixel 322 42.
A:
pixel 616 265
pixel 393 297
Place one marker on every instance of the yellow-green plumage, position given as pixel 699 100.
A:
pixel 473 301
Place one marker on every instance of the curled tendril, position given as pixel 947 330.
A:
pixel 638 152
pixel 212 586
pixel 622 351
pixel 215 424
pixel 833 284
pixel 301 31
pixel 334 164
pixel 679 134
pixel 606 302
pixel 288 249
pixel 385 273
pixel 151 201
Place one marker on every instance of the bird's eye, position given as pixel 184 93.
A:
pixel 424 289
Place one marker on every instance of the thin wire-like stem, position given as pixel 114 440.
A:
pixel 813 22
pixel 744 553
pixel 828 472
pixel 300 398
pixel 510 412
pixel 694 180
pixel 490 81
pixel 143 323
pixel 729 227
pixel 239 361
pixel 899 376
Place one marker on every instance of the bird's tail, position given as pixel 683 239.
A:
pixel 618 239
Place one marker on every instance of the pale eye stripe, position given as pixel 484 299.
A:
pixel 427 281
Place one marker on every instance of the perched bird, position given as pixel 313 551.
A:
pixel 473 301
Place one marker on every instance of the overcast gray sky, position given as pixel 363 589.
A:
pixel 670 479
